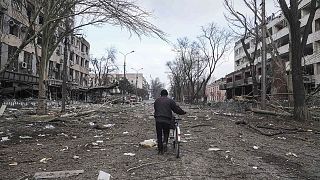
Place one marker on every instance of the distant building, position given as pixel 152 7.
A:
pixel 133 78
pixel 214 93
pixel 21 78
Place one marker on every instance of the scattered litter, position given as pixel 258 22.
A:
pixel 103 176
pixel 38 144
pixel 41 135
pixel 255 167
pixel 92 124
pixel 63 134
pixel 227 151
pixel 13 164
pixel 49 126
pixel 103 149
pixel 108 125
pixel 309 130
pixel 99 141
pixel 9 119
pixel 126 132
pixel 148 143
pixel 25 137
pixel 76 157
pixel 255 147
pixel 57 174
pixel 213 128
pixel 98 136
pixel 283 138
pixel 4 139
pixel 214 149
pixel 187 134
pixel 65 148
pixel 183 141
pixel 45 160
pixel 95 144
pixel 129 154
pixel 291 154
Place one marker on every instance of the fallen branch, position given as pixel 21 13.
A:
pixel 259 111
pixel 200 125
pixel 147 164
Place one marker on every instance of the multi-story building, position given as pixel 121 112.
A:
pixel 136 79
pixel 21 78
pixel 239 82
pixel 214 93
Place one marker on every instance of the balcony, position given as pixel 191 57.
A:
pixel 19 77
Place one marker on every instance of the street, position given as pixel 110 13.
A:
pixel 217 143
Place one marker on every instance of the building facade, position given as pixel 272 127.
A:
pixel 239 82
pixel 214 93
pixel 21 78
pixel 136 79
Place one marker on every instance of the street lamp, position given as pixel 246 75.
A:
pixel 137 79
pixel 124 63
pixel 124 70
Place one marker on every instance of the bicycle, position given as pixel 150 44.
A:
pixel 176 137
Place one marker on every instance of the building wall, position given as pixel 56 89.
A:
pixel 12 26
pixel 214 93
pixel 239 82
pixel 133 78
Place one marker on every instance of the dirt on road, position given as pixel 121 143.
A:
pixel 215 145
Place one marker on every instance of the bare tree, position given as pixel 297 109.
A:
pixel 51 32
pixel 249 28
pixel 215 43
pixel 298 40
pixel 103 66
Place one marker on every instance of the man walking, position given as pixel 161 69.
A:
pixel 163 107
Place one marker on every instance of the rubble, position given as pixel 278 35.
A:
pixel 57 174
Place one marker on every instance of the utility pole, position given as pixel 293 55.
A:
pixel 264 56
pixel 124 72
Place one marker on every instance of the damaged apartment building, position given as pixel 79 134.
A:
pixel 239 82
pixel 20 80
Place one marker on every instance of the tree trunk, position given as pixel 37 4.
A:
pixel 65 60
pixel 300 110
pixel 42 97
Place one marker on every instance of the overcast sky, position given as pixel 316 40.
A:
pixel 177 18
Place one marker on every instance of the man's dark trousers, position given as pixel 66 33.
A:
pixel 162 128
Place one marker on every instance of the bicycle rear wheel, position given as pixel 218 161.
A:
pixel 177 143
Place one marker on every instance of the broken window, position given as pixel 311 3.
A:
pixel 13 66
pixel 309 70
pixel 13 28
pixel 77 59
pixel 28 60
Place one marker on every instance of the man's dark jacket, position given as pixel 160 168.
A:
pixel 163 107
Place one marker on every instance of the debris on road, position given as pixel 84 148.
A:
pixel 255 147
pixel 291 154
pixel 57 174
pixel 45 160
pixel 214 149
pixel 25 137
pixel 2 109
pixel 13 164
pixel 103 175
pixel 5 139
pixel 129 154
pixel 148 143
